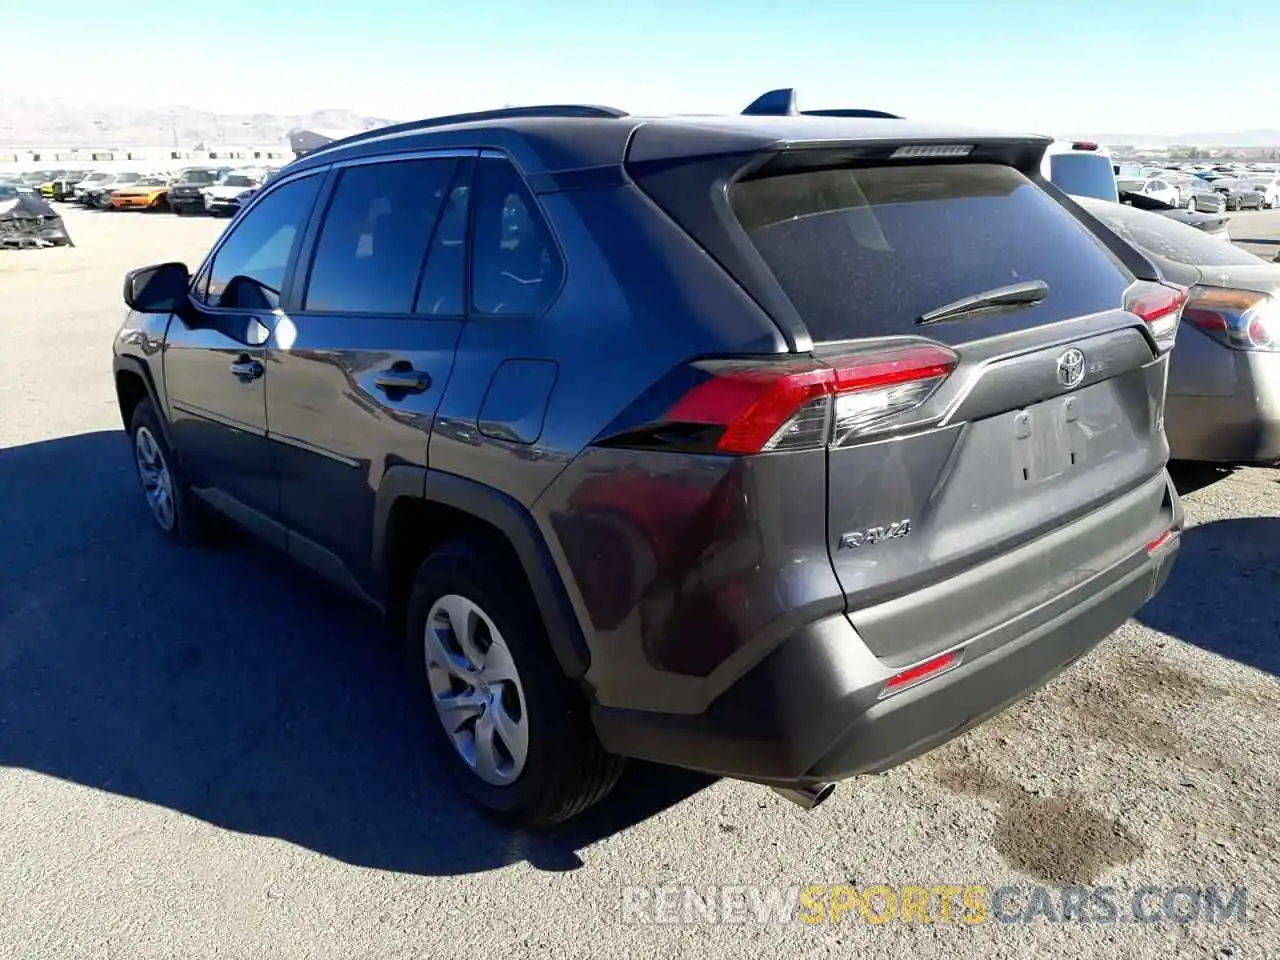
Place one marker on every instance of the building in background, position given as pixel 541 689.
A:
pixel 302 142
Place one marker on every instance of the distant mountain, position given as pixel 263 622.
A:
pixel 40 121
pixel 1238 138
pixel 27 120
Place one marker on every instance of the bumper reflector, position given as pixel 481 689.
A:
pixel 921 672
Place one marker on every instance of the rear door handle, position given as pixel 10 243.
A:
pixel 405 381
pixel 247 368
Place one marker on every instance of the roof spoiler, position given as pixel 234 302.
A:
pixel 782 103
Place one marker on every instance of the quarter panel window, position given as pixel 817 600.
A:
pixel 516 267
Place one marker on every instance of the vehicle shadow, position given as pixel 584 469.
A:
pixel 1221 594
pixel 1189 475
pixel 230 685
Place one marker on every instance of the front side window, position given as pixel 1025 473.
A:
pixel 516 266
pixel 248 270
pixel 372 244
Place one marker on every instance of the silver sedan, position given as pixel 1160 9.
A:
pixel 1224 377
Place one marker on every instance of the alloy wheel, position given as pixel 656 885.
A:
pixel 157 480
pixel 476 689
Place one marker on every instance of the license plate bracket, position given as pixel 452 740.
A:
pixel 1048 440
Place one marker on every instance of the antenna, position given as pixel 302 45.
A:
pixel 782 103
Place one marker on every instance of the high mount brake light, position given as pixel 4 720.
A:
pixel 1159 306
pixel 1241 319
pixel 797 405
pixel 931 151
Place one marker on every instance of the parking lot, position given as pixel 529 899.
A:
pixel 209 754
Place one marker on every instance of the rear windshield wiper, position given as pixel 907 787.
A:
pixel 1014 295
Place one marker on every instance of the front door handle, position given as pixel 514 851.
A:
pixel 404 381
pixel 246 368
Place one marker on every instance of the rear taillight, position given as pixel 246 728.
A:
pixel 1240 319
pixel 1159 306
pixel 745 407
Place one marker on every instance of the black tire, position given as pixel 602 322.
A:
pixel 566 770
pixel 189 526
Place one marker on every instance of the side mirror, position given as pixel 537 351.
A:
pixel 157 289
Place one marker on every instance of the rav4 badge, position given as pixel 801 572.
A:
pixel 874 535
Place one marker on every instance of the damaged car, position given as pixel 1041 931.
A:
pixel 29 221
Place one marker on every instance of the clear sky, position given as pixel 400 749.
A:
pixel 1053 66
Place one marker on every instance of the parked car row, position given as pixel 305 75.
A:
pixel 217 191
pixel 1212 190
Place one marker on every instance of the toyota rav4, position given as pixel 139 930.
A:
pixel 783 448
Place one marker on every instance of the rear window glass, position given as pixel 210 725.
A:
pixel 866 252
pixel 1166 237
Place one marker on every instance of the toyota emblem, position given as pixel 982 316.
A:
pixel 1071 368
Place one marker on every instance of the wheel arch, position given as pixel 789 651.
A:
pixel 419 508
pixel 134 383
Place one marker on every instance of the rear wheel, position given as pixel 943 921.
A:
pixel 514 731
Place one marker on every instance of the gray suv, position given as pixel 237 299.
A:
pixel 780 448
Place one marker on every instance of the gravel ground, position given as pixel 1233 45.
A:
pixel 202 754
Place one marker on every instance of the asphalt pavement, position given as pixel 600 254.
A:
pixel 209 754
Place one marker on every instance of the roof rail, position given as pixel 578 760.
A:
pixel 506 113
pixel 782 103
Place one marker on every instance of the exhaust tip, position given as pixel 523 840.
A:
pixel 806 797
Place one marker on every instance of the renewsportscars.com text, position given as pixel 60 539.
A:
pixel 970 904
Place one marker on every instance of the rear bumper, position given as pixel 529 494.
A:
pixel 812 710
pixel 1240 427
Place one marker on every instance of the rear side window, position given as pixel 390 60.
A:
pixel 1084 174
pixel 374 238
pixel 444 282
pixel 866 252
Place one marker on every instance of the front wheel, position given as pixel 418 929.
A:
pixel 168 501
pixel 514 731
